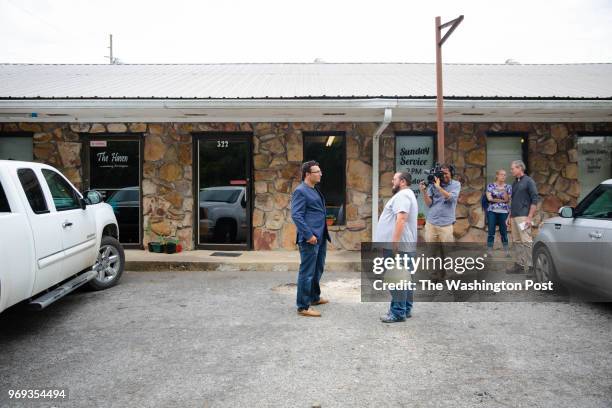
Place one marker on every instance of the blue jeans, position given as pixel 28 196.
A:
pixel 401 300
pixel 312 263
pixel 494 219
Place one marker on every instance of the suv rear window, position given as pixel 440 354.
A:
pixel 4 205
pixel 32 190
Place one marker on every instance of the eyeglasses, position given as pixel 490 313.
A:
pixel 315 172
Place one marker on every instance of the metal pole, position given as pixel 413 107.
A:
pixel 111 49
pixel 439 99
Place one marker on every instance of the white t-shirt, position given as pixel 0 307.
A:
pixel 403 201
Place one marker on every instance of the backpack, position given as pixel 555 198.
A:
pixel 484 201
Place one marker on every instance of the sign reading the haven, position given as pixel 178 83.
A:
pixel 111 159
pixel 415 155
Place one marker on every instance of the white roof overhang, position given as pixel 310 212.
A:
pixel 302 110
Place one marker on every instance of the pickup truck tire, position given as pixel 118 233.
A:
pixel 109 265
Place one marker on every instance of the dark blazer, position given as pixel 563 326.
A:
pixel 308 213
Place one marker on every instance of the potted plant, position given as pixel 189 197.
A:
pixel 420 219
pixel 172 245
pixel 159 245
pixel 330 219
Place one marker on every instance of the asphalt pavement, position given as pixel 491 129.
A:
pixel 233 339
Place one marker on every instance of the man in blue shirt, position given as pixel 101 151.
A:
pixel 441 198
pixel 308 214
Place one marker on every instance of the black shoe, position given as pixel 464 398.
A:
pixel 390 318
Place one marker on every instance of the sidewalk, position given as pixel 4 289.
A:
pixel 139 260
pixel 201 260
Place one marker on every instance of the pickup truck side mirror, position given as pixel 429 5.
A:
pixel 566 212
pixel 92 197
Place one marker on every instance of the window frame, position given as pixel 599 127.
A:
pixel 344 137
pixel 40 185
pixel 75 194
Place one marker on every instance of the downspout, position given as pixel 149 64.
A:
pixel 375 166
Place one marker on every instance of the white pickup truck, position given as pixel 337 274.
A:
pixel 52 239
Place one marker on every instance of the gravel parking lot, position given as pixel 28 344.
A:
pixel 233 339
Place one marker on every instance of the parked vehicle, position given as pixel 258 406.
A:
pixel 52 239
pixel 223 214
pixel 576 248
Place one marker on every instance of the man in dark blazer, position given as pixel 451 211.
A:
pixel 308 214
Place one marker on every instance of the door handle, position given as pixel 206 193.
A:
pixel 66 224
pixel 595 235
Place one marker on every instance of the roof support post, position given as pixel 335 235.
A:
pixel 439 92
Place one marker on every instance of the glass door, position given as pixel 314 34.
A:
pixel 114 171
pixel 223 168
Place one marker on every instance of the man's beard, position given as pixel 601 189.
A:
pixel 395 189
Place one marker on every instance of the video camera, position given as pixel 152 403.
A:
pixel 436 171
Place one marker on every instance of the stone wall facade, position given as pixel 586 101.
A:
pixel 167 170
pixel 552 161
pixel 278 150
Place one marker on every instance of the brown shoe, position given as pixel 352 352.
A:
pixel 321 301
pixel 310 312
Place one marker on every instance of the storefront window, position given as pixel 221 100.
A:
pixel 594 161
pixel 115 173
pixel 329 149
pixel 414 153
pixel 16 147
pixel 502 150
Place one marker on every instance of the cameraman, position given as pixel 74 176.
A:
pixel 441 198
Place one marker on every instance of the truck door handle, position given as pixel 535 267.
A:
pixel 595 235
pixel 66 224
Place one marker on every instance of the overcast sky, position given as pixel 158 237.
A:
pixel 182 31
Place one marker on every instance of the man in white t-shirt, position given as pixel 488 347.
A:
pixel 397 230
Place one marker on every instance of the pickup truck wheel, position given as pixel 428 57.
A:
pixel 109 264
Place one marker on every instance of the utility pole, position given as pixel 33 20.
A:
pixel 439 89
pixel 111 60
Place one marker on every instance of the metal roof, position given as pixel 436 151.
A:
pixel 306 80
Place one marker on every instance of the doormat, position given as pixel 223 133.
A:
pixel 234 254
